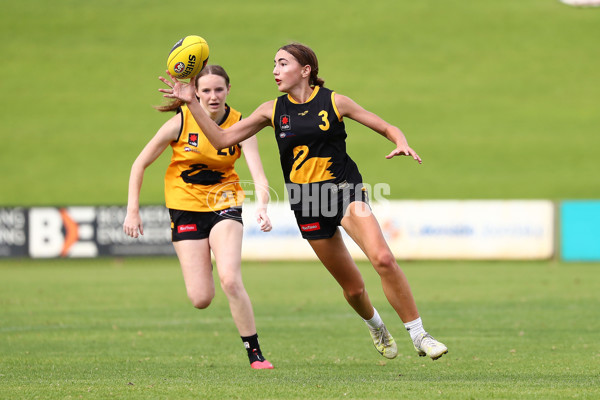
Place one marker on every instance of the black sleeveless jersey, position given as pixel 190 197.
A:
pixel 311 138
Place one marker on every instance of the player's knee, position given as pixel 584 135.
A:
pixel 354 293
pixel 201 300
pixel 384 262
pixel 232 286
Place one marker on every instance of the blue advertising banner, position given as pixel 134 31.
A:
pixel 580 230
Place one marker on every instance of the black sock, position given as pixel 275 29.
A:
pixel 253 348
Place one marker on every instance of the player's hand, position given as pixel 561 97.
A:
pixel 404 150
pixel 263 220
pixel 133 225
pixel 185 92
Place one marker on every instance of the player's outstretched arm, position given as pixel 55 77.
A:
pixel 349 108
pixel 220 138
pixel 133 226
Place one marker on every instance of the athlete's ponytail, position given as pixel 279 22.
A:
pixel 306 56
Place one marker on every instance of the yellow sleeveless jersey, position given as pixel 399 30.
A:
pixel 200 177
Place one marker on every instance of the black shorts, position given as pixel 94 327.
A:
pixel 193 225
pixel 322 224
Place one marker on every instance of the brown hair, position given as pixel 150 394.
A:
pixel 208 70
pixel 305 56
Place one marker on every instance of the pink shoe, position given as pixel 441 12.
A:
pixel 261 365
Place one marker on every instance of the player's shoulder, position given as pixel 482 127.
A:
pixel 176 118
pixel 171 128
pixel 267 107
pixel 342 102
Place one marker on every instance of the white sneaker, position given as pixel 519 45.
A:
pixel 426 345
pixel 384 342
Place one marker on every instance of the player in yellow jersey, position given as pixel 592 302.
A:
pixel 311 138
pixel 204 198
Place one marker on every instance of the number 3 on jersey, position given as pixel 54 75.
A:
pixel 325 126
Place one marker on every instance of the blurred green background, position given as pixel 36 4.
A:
pixel 500 98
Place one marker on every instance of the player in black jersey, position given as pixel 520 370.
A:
pixel 324 184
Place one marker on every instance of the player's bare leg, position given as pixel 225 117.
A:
pixel 363 228
pixel 226 243
pixel 196 266
pixel 335 257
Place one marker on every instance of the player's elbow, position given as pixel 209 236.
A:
pixel 222 141
pixel 218 143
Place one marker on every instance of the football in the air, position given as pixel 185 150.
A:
pixel 187 57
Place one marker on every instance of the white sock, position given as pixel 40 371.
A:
pixel 415 328
pixel 374 322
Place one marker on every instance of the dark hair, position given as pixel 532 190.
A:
pixel 208 70
pixel 305 56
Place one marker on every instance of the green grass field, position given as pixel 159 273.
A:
pixel 500 98
pixel 100 329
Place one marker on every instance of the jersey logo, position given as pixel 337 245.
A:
pixel 188 149
pixel 302 114
pixel 309 170
pixel 200 175
pixel 187 228
pixel 283 135
pixel 314 226
pixel 284 123
pixel 193 139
